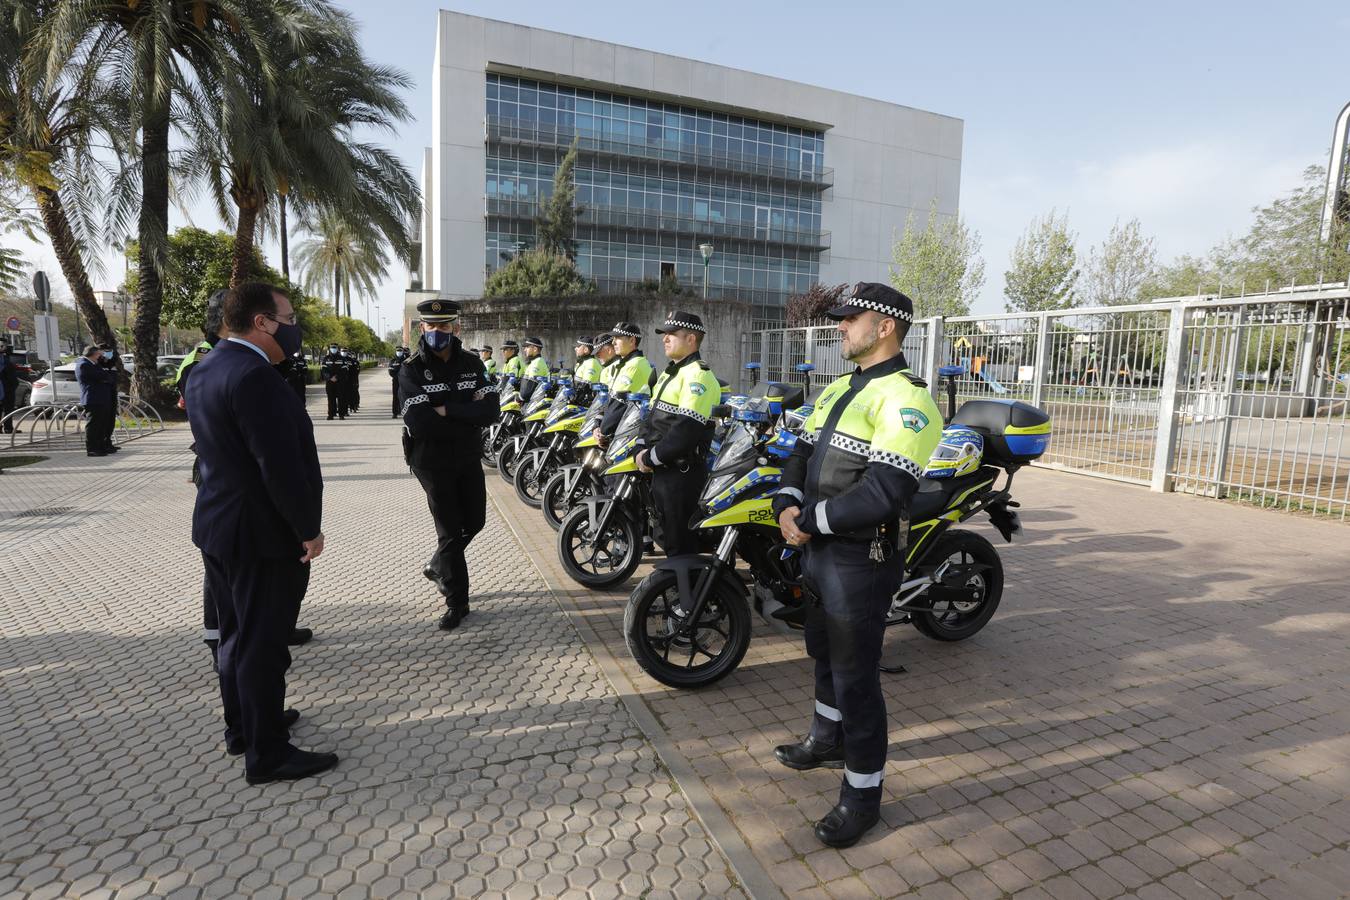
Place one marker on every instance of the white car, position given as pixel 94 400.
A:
pixel 59 386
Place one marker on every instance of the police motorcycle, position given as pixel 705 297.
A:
pixel 688 622
pixel 532 417
pixel 566 415
pixel 572 482
pixel 496 436
pixel 600 540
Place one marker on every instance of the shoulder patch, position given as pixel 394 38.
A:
pixel 698 388
pixel 913 419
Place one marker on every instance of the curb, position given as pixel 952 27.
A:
pixel 724 835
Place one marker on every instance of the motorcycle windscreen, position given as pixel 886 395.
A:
pixel 739 454
pixel 538 401
pixel 625 439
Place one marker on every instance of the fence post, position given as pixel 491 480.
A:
pixel 934 355
pixel 1169 429
pixel 1226 401
pixel 764 354
pixel 1042 359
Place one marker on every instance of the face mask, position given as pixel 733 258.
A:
pixel 437 340
pixel 288 338
pixel 332 349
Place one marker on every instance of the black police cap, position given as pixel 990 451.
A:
pixel 436 311
pixel 679 319
pixel 881 298
pixel 626 329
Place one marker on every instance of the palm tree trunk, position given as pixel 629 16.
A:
pixel 337 293
pixel 72 263
pixel 241 264
pixel 285 243
pixel 153 232
pixel 347 296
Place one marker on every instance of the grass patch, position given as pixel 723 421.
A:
pixel 14 462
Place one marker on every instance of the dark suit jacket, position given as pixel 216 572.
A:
pixel 261 490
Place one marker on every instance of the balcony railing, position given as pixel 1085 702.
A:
pixel 669 223
pixel 522 131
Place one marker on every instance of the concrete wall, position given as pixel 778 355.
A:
pixel 888 159
pixel 560 322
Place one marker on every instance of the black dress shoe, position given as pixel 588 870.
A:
pixel 300 636
pixel 435 578
pixel 96 453
pixel 810 754
pixel 300 764
pixel 453 616
pixel 844 825
pixel 236 747
pixel 111 449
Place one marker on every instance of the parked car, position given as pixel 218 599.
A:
pixel 59 385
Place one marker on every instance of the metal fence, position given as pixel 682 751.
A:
pixel 1233 397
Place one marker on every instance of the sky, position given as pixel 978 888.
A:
pixel 1183 115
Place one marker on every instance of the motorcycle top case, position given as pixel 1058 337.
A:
pixel 1016 432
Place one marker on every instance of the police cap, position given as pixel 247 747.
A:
pixel 436 311
pixel 626 329
pixel 879 298
pixel 587 342
pixel 678 320
pixel 534 342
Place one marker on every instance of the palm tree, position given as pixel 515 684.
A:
pixel 153 49
pixel 49 124
pixel 343 255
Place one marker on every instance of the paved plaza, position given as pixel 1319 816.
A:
pixel 1157 710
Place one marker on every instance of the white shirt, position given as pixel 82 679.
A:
pixel 256 349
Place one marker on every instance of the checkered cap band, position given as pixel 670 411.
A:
pixel 688 326
pixel 623 332
pixel 884 308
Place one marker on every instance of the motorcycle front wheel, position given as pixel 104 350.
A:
pixel 598 560
pixel 531 475
pixel 555 502
pixel 492 446
pixel 956 620
pixel 507 457
pixel 716 647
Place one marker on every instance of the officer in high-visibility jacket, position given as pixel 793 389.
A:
pixel 587 368
pixel 678 430
pixel 489 364
pixel 536 368
pixel 845 499
pixel 512 365
pixel 605 355
pixel 632 374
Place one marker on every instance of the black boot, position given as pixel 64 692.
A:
pixel 810 754
pixel 844 825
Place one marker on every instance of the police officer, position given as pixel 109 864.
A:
pixel 353 380
pixel 536 368
pixel 395 364
pixel 587 368
pixel 447 400
pixel 489 364
pixel 296 372
pixel 605 355
pixel 632 374
pixel 212 329
pixel 678 430
pixel 845 499
pixel 512 365
pixel 331 367
pixel 9 386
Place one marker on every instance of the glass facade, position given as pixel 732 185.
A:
pixel 654 181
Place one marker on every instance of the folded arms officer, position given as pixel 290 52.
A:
pixel 845 499
pixel 400 357
pixel 677 430
pixel 447 399
pixel 331 368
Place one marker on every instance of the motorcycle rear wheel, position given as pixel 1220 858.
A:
pixel 506 461
pixel 602 561
pixel 652 616
pixel 531 475
pixel 958 620
pixel 552 502
pixel 491 448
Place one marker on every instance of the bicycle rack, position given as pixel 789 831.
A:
pixel 61 426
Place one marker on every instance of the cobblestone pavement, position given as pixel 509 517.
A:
pixel 493 761
pixel 1159 709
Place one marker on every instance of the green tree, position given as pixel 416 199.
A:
pixel 939 266
pixel 557 223
pixel 1184 276
pixel 341 255
pixel 537 273
pixel 199 264
pixel 1117 271
pixel 1044 267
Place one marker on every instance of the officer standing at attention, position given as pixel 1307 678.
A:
pixel 632 374
pixel 330 370
pixel 296 371
pixel 605 355
pixel 845 499
pixel 489 364
pixel 353 380
pixel 512 365
pixel 536 368
pixel 395 364
pixel 587 368
pixel 678 430
pixel 447 400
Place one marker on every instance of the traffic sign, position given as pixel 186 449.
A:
pixel 42 289
pixel 12 323
pixel 48 338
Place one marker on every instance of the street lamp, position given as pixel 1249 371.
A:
pixel 707 251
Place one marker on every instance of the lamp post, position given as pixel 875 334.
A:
pixel 707 251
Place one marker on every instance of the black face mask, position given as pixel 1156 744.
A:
pixel 289 338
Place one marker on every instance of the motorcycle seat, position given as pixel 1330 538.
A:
pixel 935 493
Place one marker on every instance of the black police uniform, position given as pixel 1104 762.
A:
pixel 353 382
pixel 443 450
pixel 677 433
pixel 330 370
pixel 395 365
pixel 112 363
pixel 295 370
pixel 853 473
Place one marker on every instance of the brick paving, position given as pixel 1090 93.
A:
pixel 1158 709
pixel 494 761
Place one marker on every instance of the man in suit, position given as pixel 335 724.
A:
pixel 256 522
pixel 97 391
